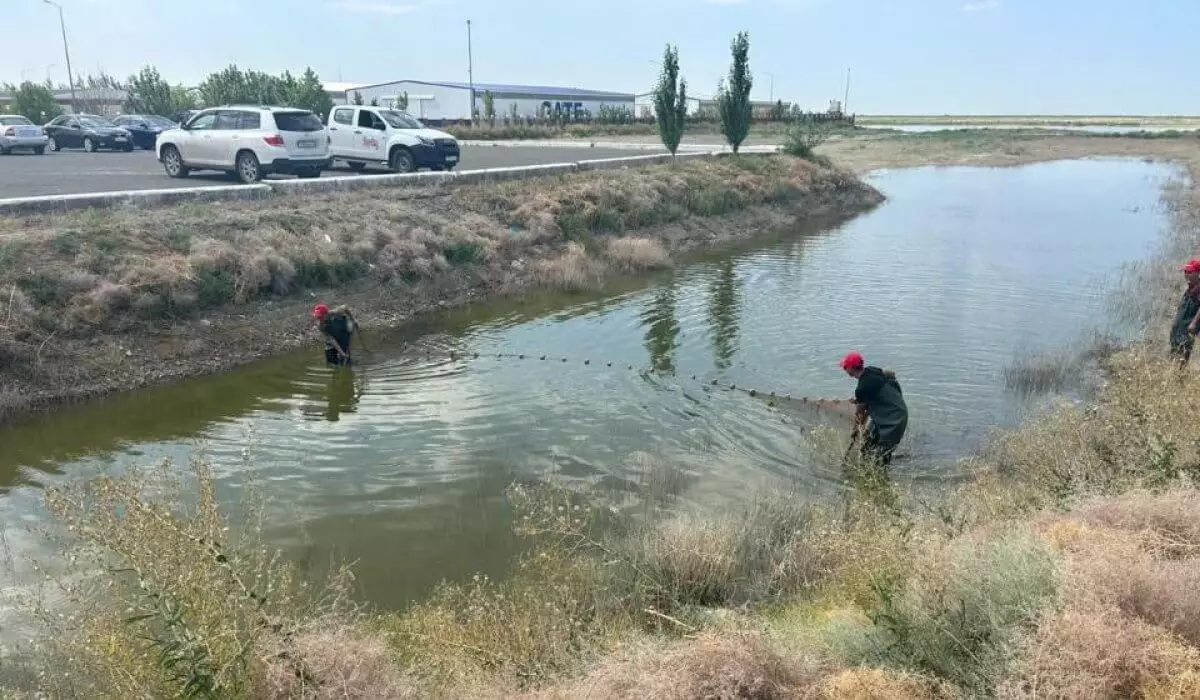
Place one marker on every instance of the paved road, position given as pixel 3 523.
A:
pixel 70 172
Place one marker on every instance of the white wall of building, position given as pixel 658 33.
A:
pixel 439 102
pixel 644 106
pixel 424 101
pixel 532 107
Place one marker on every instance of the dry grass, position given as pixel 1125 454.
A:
pixel 632 254
pixel 724 667
pixel 340 662
pixel 185 607
pixel 879 684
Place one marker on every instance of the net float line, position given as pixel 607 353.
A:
pixel 844 408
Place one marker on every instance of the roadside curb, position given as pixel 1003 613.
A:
pixel 70 202
pixel 344 183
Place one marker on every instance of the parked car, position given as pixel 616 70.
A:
pixel 17 132
pixel 373 135
pixel 249 141
pixel 181 116
pixel 144 128
pixel 87 131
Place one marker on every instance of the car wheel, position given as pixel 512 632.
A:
pixel 173 162
pixel 356 166
pixel 40 150
pixel 89 145
pixel 401 161
pixel 248 169
pixel 52 144
pixel 310 174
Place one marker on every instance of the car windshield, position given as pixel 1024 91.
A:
pixel 298 121
pixel 400 120
pixel 96 122
pixel 15 121
pixel 160 121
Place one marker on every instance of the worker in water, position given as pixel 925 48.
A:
pixel 338 327
pixel 1187 318
pixel 881 412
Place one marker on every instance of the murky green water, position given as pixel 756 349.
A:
pixel 401 465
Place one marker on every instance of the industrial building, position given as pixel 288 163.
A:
pixel 644 106
pixel 451 101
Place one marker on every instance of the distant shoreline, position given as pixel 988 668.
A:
pixel 1032 120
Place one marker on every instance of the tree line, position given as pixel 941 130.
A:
pixel 148 92
pixel 733 97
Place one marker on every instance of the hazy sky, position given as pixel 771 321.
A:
pixel 907 56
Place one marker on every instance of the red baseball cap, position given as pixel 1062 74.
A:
pixel 1192 265
pixel 320 311
pixel 853 360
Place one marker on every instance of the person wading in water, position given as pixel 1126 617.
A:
pixel 1187 318
pixel 879 398
pixel 338 327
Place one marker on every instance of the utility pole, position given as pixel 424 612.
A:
pixel 471 71
pixel 772 77
pixel 846 99
pixel 70 76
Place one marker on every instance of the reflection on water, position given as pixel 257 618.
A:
pixel 723 313
pixel 662 329
pixel 401 464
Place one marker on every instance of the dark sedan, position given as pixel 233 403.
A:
pixel 144 128
pixel 86 131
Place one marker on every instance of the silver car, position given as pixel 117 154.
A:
pixel 18 132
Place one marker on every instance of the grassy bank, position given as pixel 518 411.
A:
pixel 107 299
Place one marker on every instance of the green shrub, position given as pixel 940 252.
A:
pixel 463 253
pixel 67 243
pixel 43 289
pixel 802 140
pixel 215 287
pixel 962 619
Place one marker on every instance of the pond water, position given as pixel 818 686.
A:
pixel 402 465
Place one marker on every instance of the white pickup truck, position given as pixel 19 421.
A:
pixel 362 136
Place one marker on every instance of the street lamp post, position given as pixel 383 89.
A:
pixel 471 71
pixel 772 77
pixel 70 76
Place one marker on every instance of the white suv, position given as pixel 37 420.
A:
pixel 249 141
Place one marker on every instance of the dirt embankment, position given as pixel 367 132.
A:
pixel 100 301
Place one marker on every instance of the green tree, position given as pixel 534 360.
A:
pixel 374 101
pixel 308 92
pixel 235 86
pixel 733 95
pixel 670 101
pixel 358 100
pixel 489 107
pixel 149 93
pixel 402 102
pixel 34 102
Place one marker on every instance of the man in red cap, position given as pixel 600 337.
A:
pixel 1187 318
pixel 880 399
pixel 338 327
